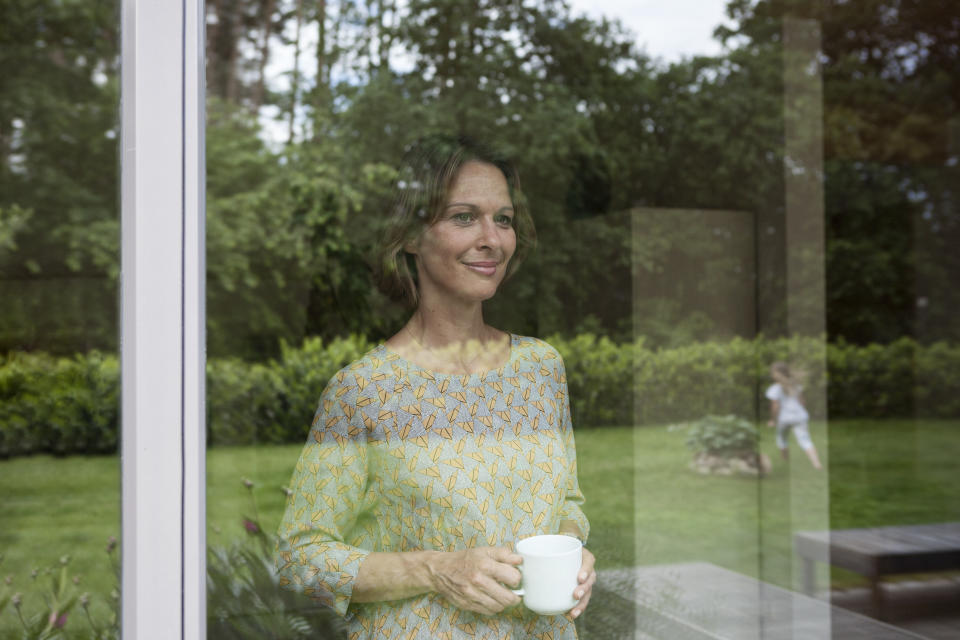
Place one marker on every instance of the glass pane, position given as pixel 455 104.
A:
pixel 743 257
pixel 59 370
pixel 891 211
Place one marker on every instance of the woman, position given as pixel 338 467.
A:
pixel 433 454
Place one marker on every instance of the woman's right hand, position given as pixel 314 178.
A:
pixel 474 579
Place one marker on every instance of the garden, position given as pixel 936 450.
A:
pixel 661 202
pixel 646 504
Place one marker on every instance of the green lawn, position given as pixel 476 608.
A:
pixel 644 504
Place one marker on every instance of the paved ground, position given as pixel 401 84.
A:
pixel 929 609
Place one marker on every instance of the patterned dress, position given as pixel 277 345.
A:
pixel 403 459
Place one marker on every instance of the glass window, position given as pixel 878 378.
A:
pixel 59 369
pixel 744 218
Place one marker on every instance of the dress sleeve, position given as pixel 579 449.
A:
pixel 326 499
pixel 773 392
pixel 572 507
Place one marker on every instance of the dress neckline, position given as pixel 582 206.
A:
pixel 428 373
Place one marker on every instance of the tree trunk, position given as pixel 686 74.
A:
pixel 385 36
pixel 222 50
pixel 321 43
pixel 266 28
pixel 295 78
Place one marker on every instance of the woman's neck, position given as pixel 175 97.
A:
pixel 445 327
pixel 451 340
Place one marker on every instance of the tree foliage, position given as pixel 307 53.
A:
pixel 300 162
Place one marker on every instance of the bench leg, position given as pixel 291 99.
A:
pixel 809 576
pixel 876 597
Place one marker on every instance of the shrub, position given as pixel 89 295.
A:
pixel 244 598
pixel 59 405
pixel 723 436
pixel 240 401
pixel 57 616
pixel 598 379
pixel 65 406
pixel 301 375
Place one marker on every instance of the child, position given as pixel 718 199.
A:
pixel 787 411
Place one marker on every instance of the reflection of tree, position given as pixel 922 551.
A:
pixel 58 96
pixel 595 125
pixel 891 89
pixel 694 274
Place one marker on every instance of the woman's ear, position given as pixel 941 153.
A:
pixel 412 246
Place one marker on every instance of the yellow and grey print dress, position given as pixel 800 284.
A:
pixel 402 459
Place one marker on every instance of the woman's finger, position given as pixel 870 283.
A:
pixel 581 606
pixel 586 566
pixel 586 587
pixel 503 596
pixel 506 574
pixel 583 593
pixel 485 604
pixel 505 555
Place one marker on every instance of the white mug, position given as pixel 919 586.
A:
pixel 550 567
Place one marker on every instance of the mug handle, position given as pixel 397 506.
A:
pixel 519 591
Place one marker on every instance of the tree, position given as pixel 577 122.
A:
pixel 58 136
pixel 891 94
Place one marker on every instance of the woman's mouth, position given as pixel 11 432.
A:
pixel 483 268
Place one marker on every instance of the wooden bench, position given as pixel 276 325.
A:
pixel 879 552
pixel 701 601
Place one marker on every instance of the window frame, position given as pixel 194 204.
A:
pixel 162 308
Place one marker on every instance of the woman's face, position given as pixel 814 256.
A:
pixel 463 256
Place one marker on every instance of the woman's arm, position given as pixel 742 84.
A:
pixel 571 528
pixel 327 500
pixel 473 579
pixel 572 518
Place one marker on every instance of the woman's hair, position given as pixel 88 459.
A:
pixel 790 378
pixel 428 169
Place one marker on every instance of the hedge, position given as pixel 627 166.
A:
pixel 58 405
pixel 71 405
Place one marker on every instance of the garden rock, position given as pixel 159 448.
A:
pixel 747 463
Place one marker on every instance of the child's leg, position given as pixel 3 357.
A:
pixel 783 432
pixel 802 433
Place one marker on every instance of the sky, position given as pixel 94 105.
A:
pixel 666 29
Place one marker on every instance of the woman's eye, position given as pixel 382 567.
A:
pixel 505 221
pixel 463 216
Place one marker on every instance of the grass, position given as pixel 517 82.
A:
pixel 645 505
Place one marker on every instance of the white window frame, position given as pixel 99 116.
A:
pixel 163 574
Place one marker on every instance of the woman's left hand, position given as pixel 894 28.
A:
pixel 587 577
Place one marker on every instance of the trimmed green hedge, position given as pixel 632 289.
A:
pixel 274 402
pixel 58 405
pixel 66 406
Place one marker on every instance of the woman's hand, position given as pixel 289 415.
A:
pixel 587 577
pixel 473 579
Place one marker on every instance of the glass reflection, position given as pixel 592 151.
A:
pixel 790 198
pixel 59 370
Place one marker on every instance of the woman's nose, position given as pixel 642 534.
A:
pixel 489 233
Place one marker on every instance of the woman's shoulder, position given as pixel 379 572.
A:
pixel 537 350
pixel 372 366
